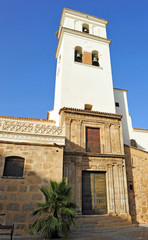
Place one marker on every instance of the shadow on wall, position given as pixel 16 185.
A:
pixel 130 184
pixel 18 198
pixel 74 163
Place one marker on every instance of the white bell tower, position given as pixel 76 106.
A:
pixel 83 76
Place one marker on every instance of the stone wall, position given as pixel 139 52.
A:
pixel 137 179
pixel 19 195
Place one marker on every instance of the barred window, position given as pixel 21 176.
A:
pixel 14 166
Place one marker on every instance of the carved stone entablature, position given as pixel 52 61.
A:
pixel 29 131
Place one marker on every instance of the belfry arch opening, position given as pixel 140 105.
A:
pixel 78 54
pixel 95 58
pixel 85 28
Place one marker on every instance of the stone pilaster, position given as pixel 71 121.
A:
pixel 121 189
pixel 110 190
pixel 125 188
pixel 116 189
pixel 108 138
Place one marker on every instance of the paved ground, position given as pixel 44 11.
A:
pixel 140 233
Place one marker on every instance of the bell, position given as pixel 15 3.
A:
pixel 95 59
pixel 85 30
pixel 78 55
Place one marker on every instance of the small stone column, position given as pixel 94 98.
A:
pixel 125 187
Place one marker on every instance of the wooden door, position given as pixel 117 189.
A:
pixel 93 140
pixel 94 193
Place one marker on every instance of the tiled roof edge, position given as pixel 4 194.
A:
pixel 27 119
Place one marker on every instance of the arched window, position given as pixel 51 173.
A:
pixel 78 54
pixel 85 28
pixel 14 166
pixel 95 58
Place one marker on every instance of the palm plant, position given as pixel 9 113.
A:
pixel 56 215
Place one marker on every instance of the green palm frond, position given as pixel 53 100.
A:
pixel 57 214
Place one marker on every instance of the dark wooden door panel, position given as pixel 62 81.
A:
pixel 93 140
pixel 94 193
pixel 87 192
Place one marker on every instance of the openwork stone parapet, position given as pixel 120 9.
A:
pixel 30 131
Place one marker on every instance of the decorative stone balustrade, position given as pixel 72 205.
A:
pixel 29 130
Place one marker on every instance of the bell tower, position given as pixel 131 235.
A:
pixel 83 75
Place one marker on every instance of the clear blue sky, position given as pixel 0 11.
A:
pixel 28 43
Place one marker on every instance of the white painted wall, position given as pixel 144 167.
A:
pixel 140 135
pixel 78 84
pixel 82 83
pixel 121 98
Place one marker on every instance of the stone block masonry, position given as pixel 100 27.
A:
pixel 137 180
pixel 18 196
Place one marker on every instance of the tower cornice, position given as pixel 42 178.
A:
pixel 82 15
pixel 81 34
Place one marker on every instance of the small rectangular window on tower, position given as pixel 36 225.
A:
pixel 117 104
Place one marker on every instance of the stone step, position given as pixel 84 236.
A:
pixel 103 224
pixel 97 221
pixel 102 227
pixel 91 223
pixel 102 219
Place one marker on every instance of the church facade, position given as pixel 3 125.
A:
pixel 88 137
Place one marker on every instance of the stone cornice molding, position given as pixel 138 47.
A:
pixel 32 143
pixel 80 34
pixel 90 113
pixel 89 154
pixel 32 139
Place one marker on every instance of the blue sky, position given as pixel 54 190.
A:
pixel 27 53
